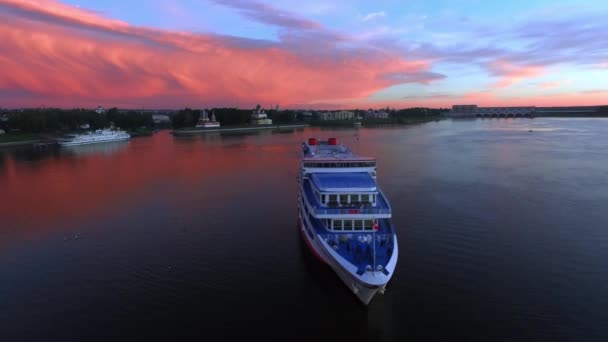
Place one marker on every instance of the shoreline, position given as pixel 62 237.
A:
pixel 19 143
pixel 194 131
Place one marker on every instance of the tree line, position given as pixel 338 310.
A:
pixel 60 120
pixel 229 116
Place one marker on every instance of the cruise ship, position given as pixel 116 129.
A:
pixel 98 136
pixel 344 217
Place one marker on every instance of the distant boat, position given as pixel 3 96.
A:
pixel 344 217
pixel 98 136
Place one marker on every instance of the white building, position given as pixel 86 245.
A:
pixel 259 117
pixel 339 115
pixel 161 118
pixel 473 110
pixel 376 114
pixel 100 110
pixel 306 116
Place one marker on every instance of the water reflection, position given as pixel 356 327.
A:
pixel 28 155
pixel 101 149
pixel 2 163
pixel 489 216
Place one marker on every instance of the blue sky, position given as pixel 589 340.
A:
pixel 440 52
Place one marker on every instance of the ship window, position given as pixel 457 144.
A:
pixel 354 198
pixel 374 198
pixel 333 198
pixel 365 198
pixel 322 198
pixel 337 225
pixel 358 225
pixel 343 199
pixel 348 225
pixel 368 224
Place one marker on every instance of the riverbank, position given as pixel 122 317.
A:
pixel 194 131
pixel 374 122
pixel 399 121
pixel 10 140
pixel 142 132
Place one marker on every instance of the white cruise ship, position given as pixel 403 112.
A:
pixel 344 217
pixel 98 136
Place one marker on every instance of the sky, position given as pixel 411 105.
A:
pixel 315 54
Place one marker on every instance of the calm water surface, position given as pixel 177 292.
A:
pixel 503 236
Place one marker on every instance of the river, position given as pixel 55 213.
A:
pixel 502 227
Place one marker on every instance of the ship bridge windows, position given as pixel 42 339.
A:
pixel 347 200
pixel 350 225
pixel 341 164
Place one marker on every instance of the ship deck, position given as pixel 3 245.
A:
pixel 382 206
pixel 357 247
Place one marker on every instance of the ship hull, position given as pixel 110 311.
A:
pixel 364 292
pixel 77 143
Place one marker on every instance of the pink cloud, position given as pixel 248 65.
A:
pixel 511 73
pixel 551 85
pixel 65 56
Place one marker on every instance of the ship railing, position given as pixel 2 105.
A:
pixel 351 211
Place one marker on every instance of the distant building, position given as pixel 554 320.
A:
pixel 205 121
pixel 160 118
pixel 376 114
pixel 464 109
pixel 305 116
pixel 259 117
pixel 338 115
pixel 474 111
pixel 100 110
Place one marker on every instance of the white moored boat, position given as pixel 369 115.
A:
pixel 344 217
pixel 98 136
